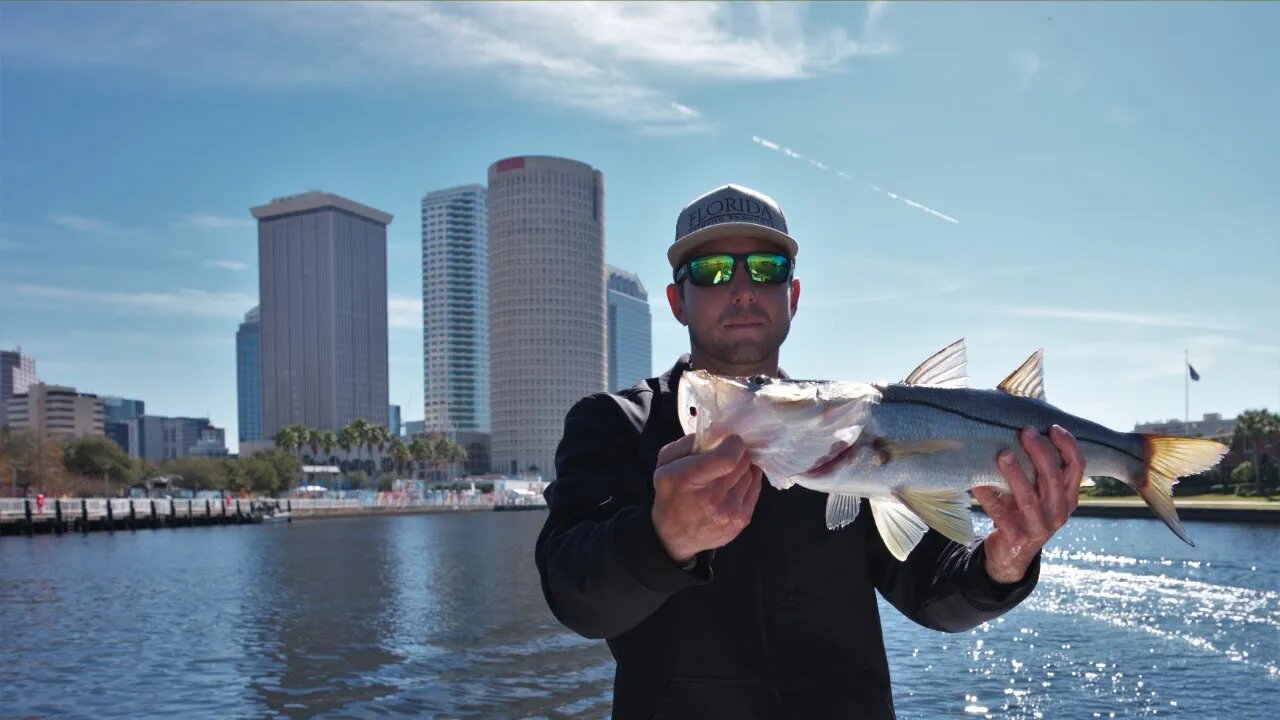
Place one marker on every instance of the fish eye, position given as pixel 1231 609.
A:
pixel 693 411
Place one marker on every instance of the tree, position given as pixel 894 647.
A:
pixel 97 456
pixel 399 454
pixel 1254 426
pixel 291 438
pixel 260 473
pixel 286 466
pixel 314 438
pixel 358 479
pixel 33 460
pixel 197 473
pixel 348 438
pixel 328 441
pixel 420 452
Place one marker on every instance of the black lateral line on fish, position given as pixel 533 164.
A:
pixel 1006 426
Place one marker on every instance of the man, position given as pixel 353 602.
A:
pixel 720 596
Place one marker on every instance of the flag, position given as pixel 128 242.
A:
pixel 1194 375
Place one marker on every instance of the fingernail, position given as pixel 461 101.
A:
pixel 1005 457
pixel 1029 431
pixel 1057 430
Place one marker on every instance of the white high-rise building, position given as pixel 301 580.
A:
pixel 455 309
pixel 547 303
pixel 630 330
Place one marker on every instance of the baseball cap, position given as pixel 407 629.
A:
pixel 729 210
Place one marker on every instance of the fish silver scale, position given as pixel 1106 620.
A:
pixel 984 422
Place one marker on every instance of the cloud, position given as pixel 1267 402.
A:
pixel 1122 318
pixel 80 223
pixel 1121 117
pixel 182 302
pixel 624 62
pixel 404 312
pixel 213 221
pixel 234 265
pixel 1027 65
pixel 770 145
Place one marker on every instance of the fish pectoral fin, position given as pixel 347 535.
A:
pixel 946 511
pixel 1027 380
pixel 945 368
pixel 842 510
pixel 900 529
pixel 888 450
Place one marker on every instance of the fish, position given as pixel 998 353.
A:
pixel 914 449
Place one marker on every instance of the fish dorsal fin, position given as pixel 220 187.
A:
pixel 1028 380
pixel 945 369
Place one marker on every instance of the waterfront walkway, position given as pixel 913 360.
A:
pixel 24 516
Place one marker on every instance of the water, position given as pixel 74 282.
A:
pixel 442 616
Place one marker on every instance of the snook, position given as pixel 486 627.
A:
pixel 914 449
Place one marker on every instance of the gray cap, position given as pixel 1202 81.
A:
pixel 727 211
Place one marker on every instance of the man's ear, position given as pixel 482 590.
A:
pixel 676 300
pixel 795 296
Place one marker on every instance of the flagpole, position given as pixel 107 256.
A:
pixel 1186 393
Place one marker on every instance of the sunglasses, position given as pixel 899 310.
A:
pixel 763 267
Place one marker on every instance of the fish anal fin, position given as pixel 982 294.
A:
pixel 945 368
pixel 1028 379
pixel 946 511
pixel 842 510
pixel 899 528
pixel 888 450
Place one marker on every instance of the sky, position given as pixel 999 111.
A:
pixel 1094 179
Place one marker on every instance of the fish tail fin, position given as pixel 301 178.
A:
pixel 1170 458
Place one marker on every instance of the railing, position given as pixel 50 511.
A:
pixel 16 508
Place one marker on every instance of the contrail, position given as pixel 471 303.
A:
pixel 769 145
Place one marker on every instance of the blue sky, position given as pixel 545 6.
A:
pixel 1095 179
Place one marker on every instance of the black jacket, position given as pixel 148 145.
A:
pixel 780 623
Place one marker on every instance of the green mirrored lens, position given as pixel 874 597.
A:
pixel 711 270
pixel 768 268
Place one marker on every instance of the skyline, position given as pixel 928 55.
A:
pixel 1058 176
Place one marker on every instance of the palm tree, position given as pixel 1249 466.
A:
pixel 328 441
pixel 363 433
pixel 1256 426
pixel 399 454
pixel 313 441
pixel 347 439
pixel 288 438
pixel 420 451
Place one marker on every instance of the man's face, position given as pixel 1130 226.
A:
pixel 738 323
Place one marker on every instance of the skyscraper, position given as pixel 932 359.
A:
pixel 322 278
pixel 547 303
pixel 249 377
pixel 121 416
pixel 17 374
pixel 630 330
pixel 455 309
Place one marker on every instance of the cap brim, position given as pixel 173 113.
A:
pixel 684 248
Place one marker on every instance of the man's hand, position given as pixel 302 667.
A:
pixel 1027 516
pixel 702 501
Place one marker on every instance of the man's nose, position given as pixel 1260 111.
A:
pixel 741 289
